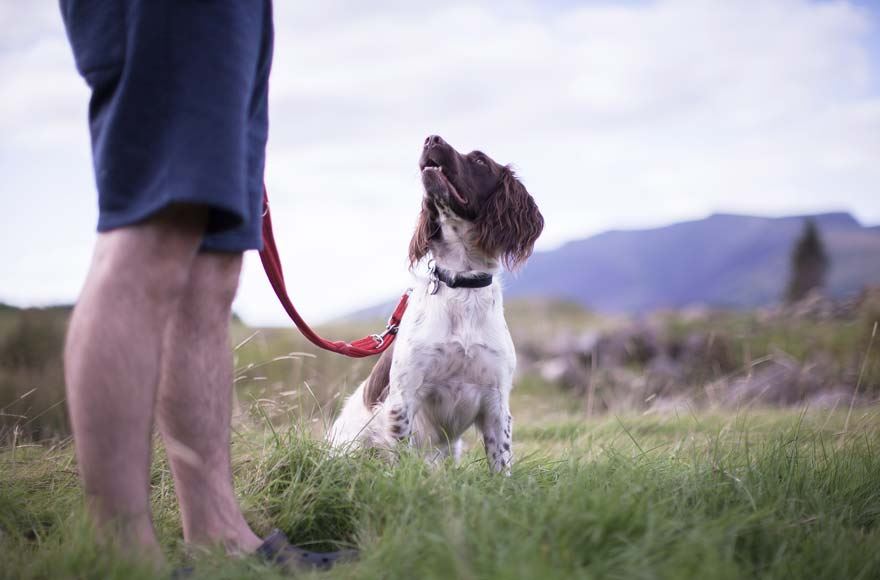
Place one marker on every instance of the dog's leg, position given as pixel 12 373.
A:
pixel 439 452
pixel 404 401
pixel 400 419
pixel 455 450
pixel 496 425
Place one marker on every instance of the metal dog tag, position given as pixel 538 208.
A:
pixel 433 279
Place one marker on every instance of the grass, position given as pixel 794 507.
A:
pixel 279 367
pixel 31 377
pixel 767 494
pixel 708 494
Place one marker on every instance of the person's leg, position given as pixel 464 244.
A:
pixel 195 405
pixel 112 361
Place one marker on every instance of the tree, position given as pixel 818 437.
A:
pixel 809 264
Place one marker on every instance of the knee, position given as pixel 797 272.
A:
pixel 214 278
pixel 146 263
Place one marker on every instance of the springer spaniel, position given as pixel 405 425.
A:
pixel 453 362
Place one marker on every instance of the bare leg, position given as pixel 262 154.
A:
pixel 195 405
pixel 112 356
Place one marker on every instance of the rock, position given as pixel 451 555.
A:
pixel 836 398
pixel 779 381
pixel 635 345
pixel 706 356
pixel 565 371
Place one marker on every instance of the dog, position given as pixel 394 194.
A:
pixel 453 361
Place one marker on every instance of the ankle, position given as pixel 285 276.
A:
pixel 130 535
pixel 234 540
pixel 221 525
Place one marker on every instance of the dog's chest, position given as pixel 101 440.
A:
pixel 456 386
pixel 456 366
pixel 460 342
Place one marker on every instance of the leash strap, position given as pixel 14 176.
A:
pixel 364 347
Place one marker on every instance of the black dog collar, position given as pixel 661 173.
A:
pixel 455 279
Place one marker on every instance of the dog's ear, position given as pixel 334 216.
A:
pixel 509 222
pixel 427 227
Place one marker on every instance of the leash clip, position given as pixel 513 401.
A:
pixel 380 338
pixel 393 324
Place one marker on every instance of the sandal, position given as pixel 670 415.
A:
pixel 278 551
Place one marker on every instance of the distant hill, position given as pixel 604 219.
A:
pixel 723 260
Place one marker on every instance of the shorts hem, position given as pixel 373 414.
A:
pixel 227 244
pixel 111 220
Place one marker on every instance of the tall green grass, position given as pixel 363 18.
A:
pixel 762 495
pixel 767 494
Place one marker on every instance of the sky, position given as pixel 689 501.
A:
pixel 615 114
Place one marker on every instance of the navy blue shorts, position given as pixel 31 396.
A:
pixel 179 108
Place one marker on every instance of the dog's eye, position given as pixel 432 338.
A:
pixel 480 161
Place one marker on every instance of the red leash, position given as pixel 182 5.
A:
pixel 367 346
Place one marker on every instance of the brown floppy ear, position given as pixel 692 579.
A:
pixel 509 223
pixel 426 228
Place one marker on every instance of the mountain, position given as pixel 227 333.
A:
pixel 723 260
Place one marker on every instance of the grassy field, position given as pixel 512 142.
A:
pixel 693 493
pixel 281 371
pixel 769 494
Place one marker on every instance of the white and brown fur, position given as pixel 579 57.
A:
pixel 453 362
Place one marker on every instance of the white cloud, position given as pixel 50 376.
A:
pixel 617 115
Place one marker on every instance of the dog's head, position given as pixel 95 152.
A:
pixel 502 218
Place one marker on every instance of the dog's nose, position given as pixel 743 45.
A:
pixel 434 141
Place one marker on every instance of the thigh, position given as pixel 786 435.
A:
pixel 214 276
